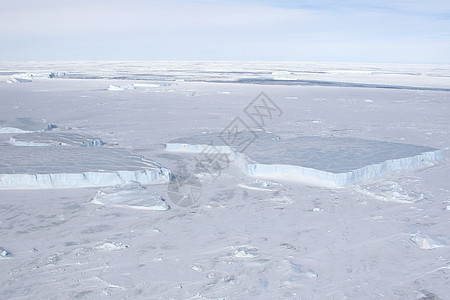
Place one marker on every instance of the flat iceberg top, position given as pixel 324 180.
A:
pixel 220 138
pixel 69 160
pixel 331 154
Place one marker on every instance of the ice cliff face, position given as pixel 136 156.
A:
pixel 35 139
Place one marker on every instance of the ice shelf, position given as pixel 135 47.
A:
pixel 331 161
pixel 65 167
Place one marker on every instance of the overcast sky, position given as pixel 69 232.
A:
pixel 323 30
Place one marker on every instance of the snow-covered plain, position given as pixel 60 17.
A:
pixel 246 237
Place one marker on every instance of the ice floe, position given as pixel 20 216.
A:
pixel 112 246
pixel 4 254
pixel 261 185
pixel 246 252
pixel 130 196
pixel 427 242
pixel 121 88
pixel 28 77
pixel 390 192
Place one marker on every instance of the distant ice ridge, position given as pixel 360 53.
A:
pixel 18 80
pixel 25 125
pixel 28 77
pixel 68 167
pixel 133 86
pixel 121 88
pixel 35 139
pixel 327 161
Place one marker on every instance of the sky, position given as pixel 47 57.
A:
pixel 402 31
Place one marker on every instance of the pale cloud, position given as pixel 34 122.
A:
pixel 348 30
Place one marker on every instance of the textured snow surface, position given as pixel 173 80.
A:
pixel 331 160
pixel 62 167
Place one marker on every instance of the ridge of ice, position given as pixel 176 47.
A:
pixel 28 77
pixel 18 80
pixel 25 125
pixel 121 88
pixel 55 139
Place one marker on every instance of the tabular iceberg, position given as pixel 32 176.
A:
pixel 330 161
pixel 64 167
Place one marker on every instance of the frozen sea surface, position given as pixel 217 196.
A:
pixel 245 237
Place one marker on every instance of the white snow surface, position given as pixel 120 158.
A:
pixel 246 237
